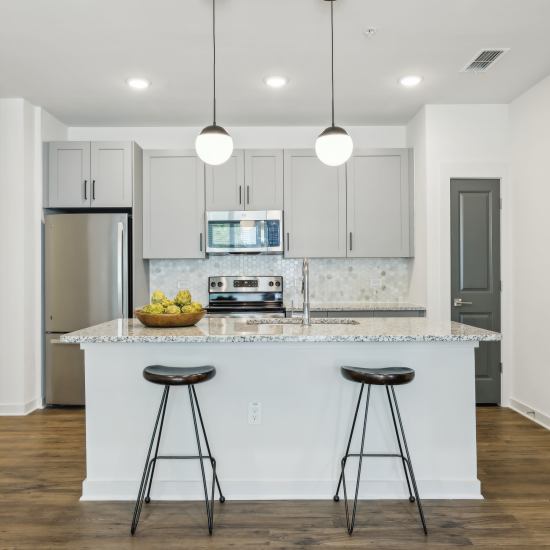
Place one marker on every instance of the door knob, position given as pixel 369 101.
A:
pixel 458 302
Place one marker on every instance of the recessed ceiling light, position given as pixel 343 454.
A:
pixel 138 83
pixel 410 81
pixel 276 81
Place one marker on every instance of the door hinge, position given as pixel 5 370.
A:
pixel 501 203
pixel 500 285
pixel 500 367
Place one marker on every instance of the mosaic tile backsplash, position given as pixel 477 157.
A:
pixel 331 280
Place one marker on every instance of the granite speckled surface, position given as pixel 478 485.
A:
pixel 298 321
pixel 236 330
pixel 362 306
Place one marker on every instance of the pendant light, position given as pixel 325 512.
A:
pixel 214 145
pixel 333 146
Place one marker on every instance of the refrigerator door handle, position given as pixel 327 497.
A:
pixel 120 268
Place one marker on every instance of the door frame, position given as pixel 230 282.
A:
pixel 439 266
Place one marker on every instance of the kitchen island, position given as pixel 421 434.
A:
pixel 306 407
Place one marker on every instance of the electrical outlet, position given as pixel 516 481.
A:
pixel 376 283
pixel 254 412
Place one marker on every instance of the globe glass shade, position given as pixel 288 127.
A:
pixel 334 146
pixel 214 145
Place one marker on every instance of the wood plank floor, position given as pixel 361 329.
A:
pixel 42 466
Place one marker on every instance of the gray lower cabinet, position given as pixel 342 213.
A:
pixel 345 314
pixel 379 204
pixel 83 174
pixel 173 205
pixel 376 313
pixel 399 313
pixel 315 207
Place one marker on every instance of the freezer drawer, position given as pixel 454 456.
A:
pixel 64 372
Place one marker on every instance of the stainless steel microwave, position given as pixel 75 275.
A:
pixel 244 232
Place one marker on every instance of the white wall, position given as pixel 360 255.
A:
pixel 416 139
pixel 457 141
pixel 243 137
pixel 530 135
pixel 21 127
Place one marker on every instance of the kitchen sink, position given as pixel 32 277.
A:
pixel 298 321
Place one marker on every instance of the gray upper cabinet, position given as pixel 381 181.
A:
pixel 263 179
pixel 84 174
pixel 249 180
pixel 315 207
pixel 225 184
pixel 69 182
pixel 379 201
pixel 111 174
pixel 173 205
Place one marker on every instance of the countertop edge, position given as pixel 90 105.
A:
pixel 270 338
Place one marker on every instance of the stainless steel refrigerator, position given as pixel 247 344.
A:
pixel 86 282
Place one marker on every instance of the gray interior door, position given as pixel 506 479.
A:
pixel 475 272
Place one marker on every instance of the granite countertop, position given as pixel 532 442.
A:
pixel 360 306
pixel 237 330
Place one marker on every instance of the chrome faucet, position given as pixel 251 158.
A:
pixel 306 317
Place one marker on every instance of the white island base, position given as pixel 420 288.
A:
pixel 307 410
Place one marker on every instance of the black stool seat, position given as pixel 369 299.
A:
pixel 387 376
pixel 178 376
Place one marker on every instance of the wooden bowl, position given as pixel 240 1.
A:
pixel 166 320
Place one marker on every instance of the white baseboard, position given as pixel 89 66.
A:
pixel 20 409
pixel 530 413
pixel 279 489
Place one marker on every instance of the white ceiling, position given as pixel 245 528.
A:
pixel 73 56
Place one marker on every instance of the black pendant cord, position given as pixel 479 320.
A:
pixel 332 54
pixel 214 52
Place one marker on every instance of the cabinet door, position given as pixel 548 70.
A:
pixel 173 205
pixel 263 179
pixel 69 183
pixel 378 204
pixel 315 207
pixel 225 184
pixel 397 313
pixel 111 170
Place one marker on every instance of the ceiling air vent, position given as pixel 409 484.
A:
pixel 483 60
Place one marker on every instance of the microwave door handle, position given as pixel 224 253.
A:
pixel 264 243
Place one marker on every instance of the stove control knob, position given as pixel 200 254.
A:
pixel 278 283
pixel 270 283
pixel 220 284
pixel 212 284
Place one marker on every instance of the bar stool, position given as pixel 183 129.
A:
pixel 177 376
pixel 388 377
